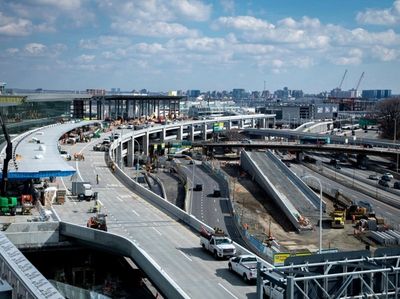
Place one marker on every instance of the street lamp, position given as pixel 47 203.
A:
pixel 320 209
pixel 394 141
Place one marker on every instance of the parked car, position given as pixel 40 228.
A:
pixel 385 178
pixel 383 183
pixel 373 177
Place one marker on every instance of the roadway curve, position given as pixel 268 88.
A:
pixel 174 246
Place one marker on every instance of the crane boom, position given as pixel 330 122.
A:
pixel 341 82
pixel 4 180
pixel 359 81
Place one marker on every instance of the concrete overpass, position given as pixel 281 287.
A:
pixel 297 147
pixel 187 130
pixel 295 135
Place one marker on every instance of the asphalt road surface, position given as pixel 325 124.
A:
pixel 172 245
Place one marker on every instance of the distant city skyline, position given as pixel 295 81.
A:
pixel 206 45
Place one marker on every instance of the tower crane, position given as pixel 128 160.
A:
pixel 341 82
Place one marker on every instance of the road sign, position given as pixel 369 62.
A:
pixel 218 127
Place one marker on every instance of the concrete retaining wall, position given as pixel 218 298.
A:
pixel 315 200
pixel 248 165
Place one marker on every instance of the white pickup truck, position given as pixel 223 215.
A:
pixel 245 266
pixel 218 244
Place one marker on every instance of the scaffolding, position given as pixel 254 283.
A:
pixel 341 275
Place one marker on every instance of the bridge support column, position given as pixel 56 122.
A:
pixel 191 133
pixel 119 155
pixel 241 124
pixel 263 122
pixel 229 125
pixel 274 123
pixel 253 123
pixel 204 131
pixel 146 138
pixel 163 135
pixel 180 133
pixel 130 152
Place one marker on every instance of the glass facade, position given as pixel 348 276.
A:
pixel 20 115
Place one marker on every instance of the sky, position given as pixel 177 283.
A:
pixel 163 45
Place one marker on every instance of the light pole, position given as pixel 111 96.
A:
pixel 320 209
pixel 137 160
pixel 394 141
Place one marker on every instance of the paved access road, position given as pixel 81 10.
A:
pixel 172 245
pixel 210 209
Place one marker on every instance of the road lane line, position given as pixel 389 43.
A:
pixel 119 198
pixel 158 232
pixel 137 214
pixel 186 256
pixel 227 290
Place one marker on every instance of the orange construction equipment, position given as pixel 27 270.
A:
pixel 98 222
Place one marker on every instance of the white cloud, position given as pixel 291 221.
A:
pixel 153 29
pixel 228 6
pixel 35 49
pixel 388 16
pixel 385 54
pixel 191 9
pixel 14 26
pixel 85 58
pixel 245 23
pixel 353 57
pixel 60 4
pixel 104 41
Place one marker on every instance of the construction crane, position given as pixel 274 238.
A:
pixel 359 81
pixel 341 82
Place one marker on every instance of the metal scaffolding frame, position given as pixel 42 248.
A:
pixel 341 275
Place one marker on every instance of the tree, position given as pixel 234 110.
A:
pixel 388 112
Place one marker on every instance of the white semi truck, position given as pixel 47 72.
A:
pixel 83 190
pixel 217 243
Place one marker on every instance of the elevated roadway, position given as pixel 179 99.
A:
pixel 296 200
pixel 296 146
pixel 289 134
pixel 171 245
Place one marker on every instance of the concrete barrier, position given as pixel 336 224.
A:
pixel 125 247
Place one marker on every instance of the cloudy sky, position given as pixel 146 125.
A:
pixel 166 45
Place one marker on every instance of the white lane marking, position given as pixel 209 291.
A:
pixel 215 209
pixel 119 198
pixel 137 214
pixel 186 256
pixel 227 290
pixel 158 232
pixel 76 163
pixel 217 220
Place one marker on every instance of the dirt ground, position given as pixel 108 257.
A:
pixel 263 218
